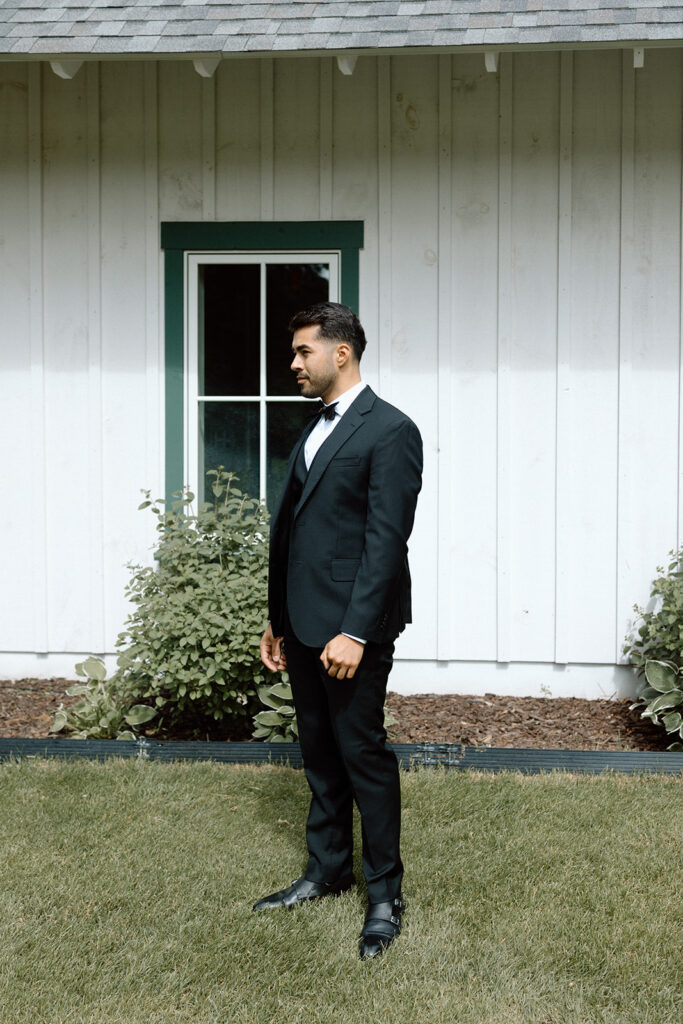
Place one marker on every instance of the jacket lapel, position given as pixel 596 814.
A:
pixel 350 422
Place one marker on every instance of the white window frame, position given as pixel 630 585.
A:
pixel 193 260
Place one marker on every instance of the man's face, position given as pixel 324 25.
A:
pixel 314 363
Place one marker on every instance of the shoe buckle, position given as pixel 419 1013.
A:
pixel 395 920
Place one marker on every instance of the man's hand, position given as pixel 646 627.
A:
pixel 272 651
pixel 341 656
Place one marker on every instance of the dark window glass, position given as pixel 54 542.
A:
pixel 290 287
pixel 229 437
pixel 285 422
pixel 229 329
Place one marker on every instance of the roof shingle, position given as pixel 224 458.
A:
pixel 101 27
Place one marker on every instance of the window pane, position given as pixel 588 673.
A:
pixel 285 422
pixel 229 437
pixel 290 287
pixel 229 329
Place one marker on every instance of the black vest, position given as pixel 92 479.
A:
pixel 298 480
pixel 296 486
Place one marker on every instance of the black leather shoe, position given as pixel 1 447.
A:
pixel 382 925
pixel 301 891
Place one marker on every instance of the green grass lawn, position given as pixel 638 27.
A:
pixel 127 886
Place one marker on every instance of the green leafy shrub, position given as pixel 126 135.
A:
pixel 191 644
pixel 277 724
pixel 658 632
pixel 661 694
pixel 103 713
pixel 655 648
pixel 389 719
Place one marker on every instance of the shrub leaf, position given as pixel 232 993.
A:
pixel 139 714
pixel 660 675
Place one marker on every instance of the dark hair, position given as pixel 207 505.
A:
pixel 335 323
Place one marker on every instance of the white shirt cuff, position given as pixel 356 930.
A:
pixel 355 638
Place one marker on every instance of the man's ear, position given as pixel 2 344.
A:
pixel 343 354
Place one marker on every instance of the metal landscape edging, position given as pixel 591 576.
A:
pixel 529 760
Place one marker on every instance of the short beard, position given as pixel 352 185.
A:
pixel 320 385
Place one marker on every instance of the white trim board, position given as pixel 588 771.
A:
pixel 513 679
pixel 518 679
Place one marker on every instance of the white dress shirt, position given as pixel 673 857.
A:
pixel 322 430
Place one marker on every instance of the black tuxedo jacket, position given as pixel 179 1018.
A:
pixel 338 557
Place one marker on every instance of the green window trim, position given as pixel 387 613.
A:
pixel 177 238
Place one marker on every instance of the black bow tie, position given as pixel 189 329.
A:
pixel 328 412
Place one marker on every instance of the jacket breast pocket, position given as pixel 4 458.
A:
pixel 346 462
pixel 344 570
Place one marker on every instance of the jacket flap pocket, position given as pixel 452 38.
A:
pixel 344 568
pixel 346 460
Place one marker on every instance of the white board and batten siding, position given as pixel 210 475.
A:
pixel 521 291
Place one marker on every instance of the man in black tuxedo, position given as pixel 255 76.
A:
pixel 339 595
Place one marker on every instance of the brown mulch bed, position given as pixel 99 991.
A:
pixel 27 708
pixel 541 722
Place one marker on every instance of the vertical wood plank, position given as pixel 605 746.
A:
pixel 355 189
pixel 181 170
pixel 504 327
pixel 445 548
pixel 126 198
pixel 679 490
pixel 66 358
pixel 474 359
pixel 649 411
pixel 624 595
pixel 95 432
pixel 563 444
pixel 208 95
pixel 326 132
pixel 38 456
pixel 354 175
pixel 533 356
pixel 22 523
pixel 19 515
pixel 238 140
pixel 384 248
pixel 296 134
pixel 587 460
pixel 154 341
pixel 413 342
pixel 267 140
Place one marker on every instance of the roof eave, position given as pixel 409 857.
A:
pixel 373 51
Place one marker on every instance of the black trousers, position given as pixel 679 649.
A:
pixel 343 743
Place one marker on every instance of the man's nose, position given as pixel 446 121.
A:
pixel 295 364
